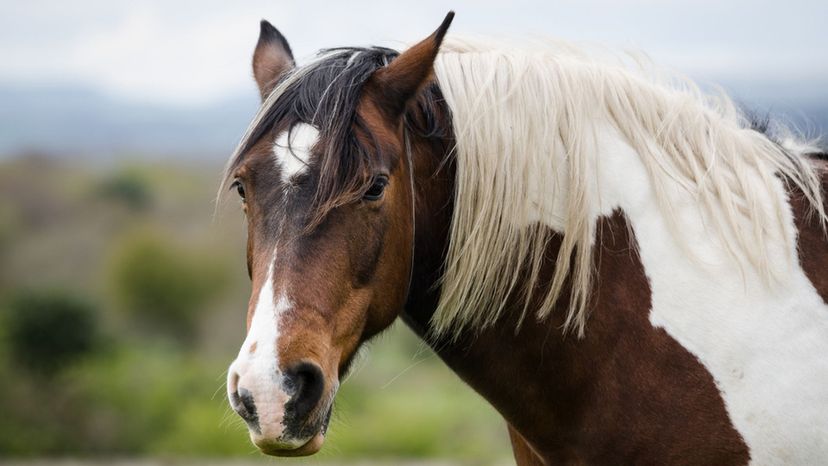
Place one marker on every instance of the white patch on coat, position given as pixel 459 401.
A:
pixel 766 346
pixel 292 150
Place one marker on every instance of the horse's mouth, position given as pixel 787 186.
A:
pixel 313 445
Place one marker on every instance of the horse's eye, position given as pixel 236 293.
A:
pixel 239 188
pixel 377 188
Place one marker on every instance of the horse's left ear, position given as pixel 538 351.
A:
pixel 400 81
pixel 271 59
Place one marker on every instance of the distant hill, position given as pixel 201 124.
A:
pixel 77 121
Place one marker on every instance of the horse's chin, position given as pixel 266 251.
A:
pixel 280 449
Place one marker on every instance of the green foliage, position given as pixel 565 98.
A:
pixel 162 285
pixel 128 187
pixel 429 417
pixel 205 425
pixel 129 401
pixel 403 402
pixel 136 397
pixel 49 329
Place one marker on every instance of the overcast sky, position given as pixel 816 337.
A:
pixel 198 52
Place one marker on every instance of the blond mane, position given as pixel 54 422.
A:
pixel 515 109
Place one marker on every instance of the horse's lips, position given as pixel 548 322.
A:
pixel 310 447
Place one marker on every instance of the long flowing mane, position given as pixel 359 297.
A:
pixel 520 111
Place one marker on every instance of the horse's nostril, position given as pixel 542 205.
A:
pixel 244 405
pixel 306 384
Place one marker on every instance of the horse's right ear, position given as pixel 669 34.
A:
pixel 271 59
pixel 399 82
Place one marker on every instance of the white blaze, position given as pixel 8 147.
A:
pixel 256 368
pixel 292 150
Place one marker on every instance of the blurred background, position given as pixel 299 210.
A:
pixel 122 297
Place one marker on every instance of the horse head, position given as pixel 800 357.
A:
pixel 325 176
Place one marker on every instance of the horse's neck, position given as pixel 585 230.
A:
pixel 668 322
pixel 551 387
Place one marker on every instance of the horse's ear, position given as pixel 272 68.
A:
pixel 271 59
pixel 400 81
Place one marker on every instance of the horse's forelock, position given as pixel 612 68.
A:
pixel 324 93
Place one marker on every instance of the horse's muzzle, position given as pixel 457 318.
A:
pixel 287 413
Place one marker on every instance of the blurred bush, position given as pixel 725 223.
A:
pixel 163 285
pixel 8 228
pixel 49 329
pixel 128 187
pixel 142 400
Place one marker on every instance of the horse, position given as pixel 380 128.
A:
pixel 627 268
